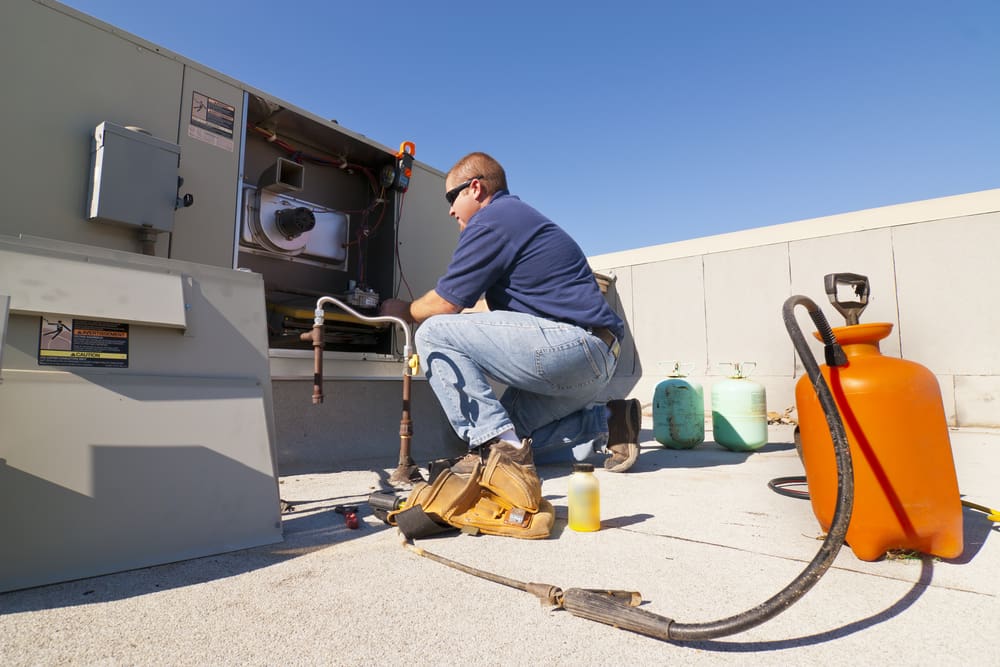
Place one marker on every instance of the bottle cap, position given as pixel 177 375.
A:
pixel 583 467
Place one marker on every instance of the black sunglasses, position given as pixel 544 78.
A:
pixel 452 194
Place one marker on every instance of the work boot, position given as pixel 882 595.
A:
pixel 466 464
pixel 522 456
pixel 510 475
pixel 623 434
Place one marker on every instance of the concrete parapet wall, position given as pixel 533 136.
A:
pixel 933 272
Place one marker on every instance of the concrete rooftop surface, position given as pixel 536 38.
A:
pixel 697 532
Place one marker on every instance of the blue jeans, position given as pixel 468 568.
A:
pixel 553 372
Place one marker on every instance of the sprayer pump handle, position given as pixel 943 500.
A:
pixel 851 310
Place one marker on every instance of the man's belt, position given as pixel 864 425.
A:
pixel 609 339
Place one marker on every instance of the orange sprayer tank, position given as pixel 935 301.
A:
pixel 905 488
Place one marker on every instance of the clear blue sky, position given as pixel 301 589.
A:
pixel 635 123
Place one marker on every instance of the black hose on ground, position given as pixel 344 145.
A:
pixel 604 608
pixel 845 488
pixel 779 485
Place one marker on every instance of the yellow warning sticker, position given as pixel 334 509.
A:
pixel 76 342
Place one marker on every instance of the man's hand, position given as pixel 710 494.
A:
pixel 428 305
pixel 396 308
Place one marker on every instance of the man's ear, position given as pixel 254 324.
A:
pixel 481 194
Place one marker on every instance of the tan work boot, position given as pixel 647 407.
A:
pixel 510 474
pixel 623 434
pixel 522 456
pixel 467 463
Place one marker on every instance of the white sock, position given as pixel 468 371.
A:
pixel 510 436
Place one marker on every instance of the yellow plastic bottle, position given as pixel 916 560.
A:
pixel 584 497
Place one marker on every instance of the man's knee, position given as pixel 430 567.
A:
pixel 427 334
pixel 439 331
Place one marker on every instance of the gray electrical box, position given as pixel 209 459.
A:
pixel 133 178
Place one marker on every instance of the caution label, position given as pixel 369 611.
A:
pixel 73 342
pixel 212 121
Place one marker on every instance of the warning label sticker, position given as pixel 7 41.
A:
pixel 212 121
pixel 73 342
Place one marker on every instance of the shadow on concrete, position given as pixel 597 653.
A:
pixel 708 454
pixel 314 525
pixel 144 505
pixel 975 529
pixel 926 575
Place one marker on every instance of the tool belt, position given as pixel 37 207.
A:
pixel 497 498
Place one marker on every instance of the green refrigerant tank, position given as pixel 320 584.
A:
pixel 739 410
pixel 679 410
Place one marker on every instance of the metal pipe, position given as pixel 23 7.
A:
pixel 405 469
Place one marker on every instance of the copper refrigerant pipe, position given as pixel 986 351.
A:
pixel 316 336
pixel 410 368
pixel 405 424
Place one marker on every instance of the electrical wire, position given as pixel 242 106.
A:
pixel 399 261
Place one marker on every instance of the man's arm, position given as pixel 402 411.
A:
pixel 480 307
pixel 426 306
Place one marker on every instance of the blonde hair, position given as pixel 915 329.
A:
pixel 481 166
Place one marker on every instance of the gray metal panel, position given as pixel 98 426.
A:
pixel 116 472
pixel 44 282
pixel 427 235
pixel 358 422
pixel 4 311
pixel 57 89
pixel 205 232
pixel 170 458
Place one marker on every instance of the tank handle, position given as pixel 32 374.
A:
pixel 740 369
pixel 677 368
pixel 851 310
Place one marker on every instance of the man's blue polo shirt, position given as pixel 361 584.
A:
pixel 524 262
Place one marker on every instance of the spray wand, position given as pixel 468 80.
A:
pixel 547 593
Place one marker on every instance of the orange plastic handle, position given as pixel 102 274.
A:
pixel 403 149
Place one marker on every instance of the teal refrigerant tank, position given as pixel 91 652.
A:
pixel 739 410
pixel 678 411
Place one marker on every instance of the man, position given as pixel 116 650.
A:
pixel 548 335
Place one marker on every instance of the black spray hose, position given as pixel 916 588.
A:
pixel 845 488
pixel 604 608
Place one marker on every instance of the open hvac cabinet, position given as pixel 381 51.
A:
pixel 324 212
pixel 140 423
pixel 321 215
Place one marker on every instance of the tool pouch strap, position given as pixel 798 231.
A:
pixel 431 506
pixel 414 522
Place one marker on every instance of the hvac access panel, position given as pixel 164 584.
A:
pixel 319 214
